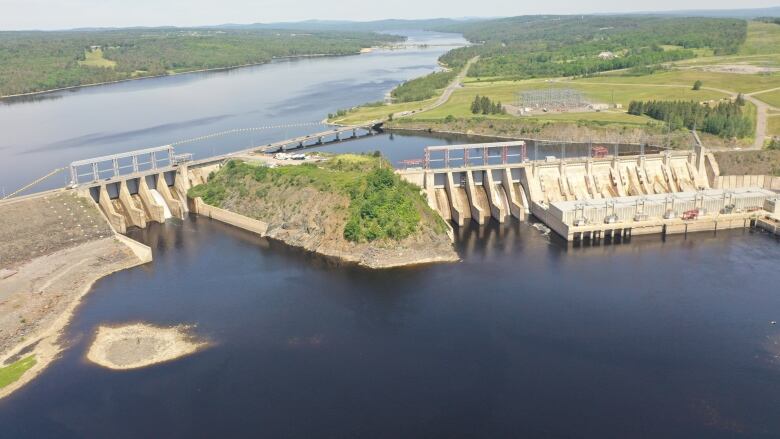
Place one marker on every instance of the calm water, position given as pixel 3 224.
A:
pixel 45 132
pixel 525 337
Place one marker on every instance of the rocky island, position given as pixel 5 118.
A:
pixel 351 207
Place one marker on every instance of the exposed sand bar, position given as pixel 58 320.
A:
pixel 53 247
pixel 141 345
pixel 38 301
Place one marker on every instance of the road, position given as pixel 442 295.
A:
pixel 445 96
pixel 762 108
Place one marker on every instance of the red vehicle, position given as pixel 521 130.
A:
pixel 691 214
pixel 599 151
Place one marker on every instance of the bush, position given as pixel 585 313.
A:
pixel 381 207
pixel 697 85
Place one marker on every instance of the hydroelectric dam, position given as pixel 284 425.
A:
pixel 604 194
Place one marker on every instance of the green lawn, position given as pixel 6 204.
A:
pixel 94 58
pixel 762 38
pixel 772 98
pixel 13 372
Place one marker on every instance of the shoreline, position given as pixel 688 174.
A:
pixel 188 72
pixel 259 228
pixel 44 343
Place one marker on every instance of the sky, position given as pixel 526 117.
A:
pixel 66 14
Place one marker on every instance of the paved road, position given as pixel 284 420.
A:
pixel 454 85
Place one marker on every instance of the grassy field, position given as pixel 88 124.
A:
pixel 773 126
pixel 363 114
pixel 771 98
pixel 762 38
pixel 94 58
pixel 736 82
pixel 506 92
pixel 13 372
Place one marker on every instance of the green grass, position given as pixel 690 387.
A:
pixel 773 125
pixel 740 83
pixel 506 91
pixel 369 113
pixel 94 58
pixel 762 60
pixel 13 372
pixel 772 98
pixel 762 38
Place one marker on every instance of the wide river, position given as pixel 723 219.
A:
pixel 525 337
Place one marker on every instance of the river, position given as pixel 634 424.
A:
pixel 525 337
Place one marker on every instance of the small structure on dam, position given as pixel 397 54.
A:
pixel 599 195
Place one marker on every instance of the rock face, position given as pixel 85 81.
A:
pixel 314 220
pixel 140 345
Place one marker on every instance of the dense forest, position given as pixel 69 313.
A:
pixel 725 119
pixel 36 61
pixel 544 46
pixel 422 88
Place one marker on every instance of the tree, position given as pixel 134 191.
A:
pixel 697 85
pixel 740 100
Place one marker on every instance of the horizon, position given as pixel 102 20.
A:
pixel 102 15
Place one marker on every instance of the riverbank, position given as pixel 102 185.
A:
pixel 348 207
pixel 188 72
pixel 39 300
pixel 55 247
pixel 511 129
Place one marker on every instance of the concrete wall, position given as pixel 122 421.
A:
pixel 768 182
pixel 227 217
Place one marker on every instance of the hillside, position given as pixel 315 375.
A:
pixel 352 207
pixel 39 61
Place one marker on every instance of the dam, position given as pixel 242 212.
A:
pixel 601 195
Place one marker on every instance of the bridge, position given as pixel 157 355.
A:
pixel 136 187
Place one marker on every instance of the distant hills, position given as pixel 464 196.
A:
pixel 443 23
pixel 332 25
pixel 718 13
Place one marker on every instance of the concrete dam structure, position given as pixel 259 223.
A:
pixel 586 198
pixel 580 198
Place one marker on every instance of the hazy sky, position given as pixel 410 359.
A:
pixel 61 14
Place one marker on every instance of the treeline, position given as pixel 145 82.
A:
pixel 38 61
pixel 726 119
pixel 775 20
pixel 483 105
pixel 536 46
pixel 422 88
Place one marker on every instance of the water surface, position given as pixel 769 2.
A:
pixel 526 336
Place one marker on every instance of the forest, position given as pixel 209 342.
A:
pixel 39 61
pixel 422 88
pixel 546 46
pixel 726 119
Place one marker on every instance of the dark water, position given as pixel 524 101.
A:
pixel 525 337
